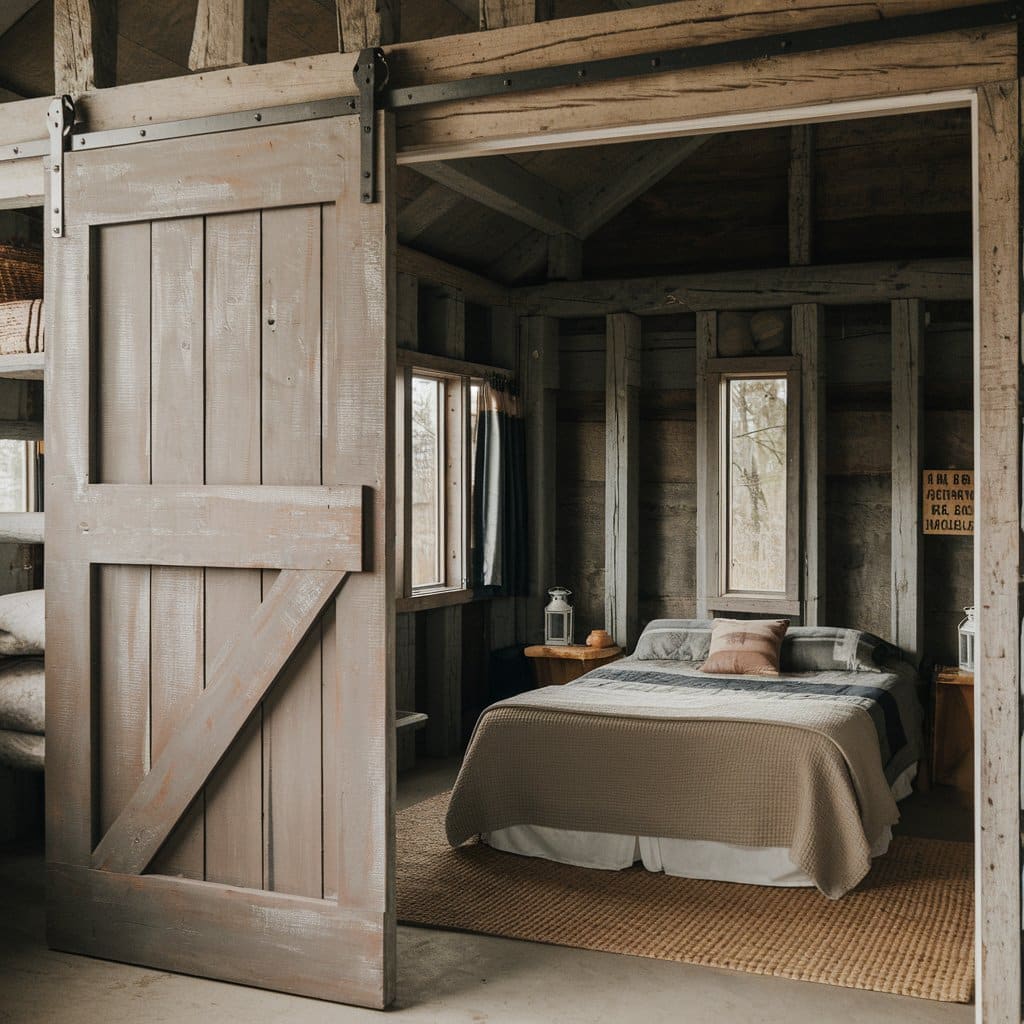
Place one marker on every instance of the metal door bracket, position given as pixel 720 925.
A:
pixel 60 119
pixel 371 75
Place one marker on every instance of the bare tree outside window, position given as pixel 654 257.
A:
pixel 427 417
pixel 756 484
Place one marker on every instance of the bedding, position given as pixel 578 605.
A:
pixel 740 647
pixel 654 748
pixel 22 694
pixel 22 623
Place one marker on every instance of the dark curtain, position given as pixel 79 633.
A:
pixel 499 492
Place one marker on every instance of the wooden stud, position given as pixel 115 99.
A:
pixel 801 194
pixel 808 342
pixel 505 13
pixel 997 562
pixel 84 45
pixel 907 567
pixel 622 461
pixel 707 474
pixel 565 258
pixel 539 377
pixel 229 33
pixel 363 23
pixel 429 268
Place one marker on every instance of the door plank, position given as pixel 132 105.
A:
pixel 269 940
pixel 222 525
pixel 176 594
pixel 292 725
pixel 239 681
pixel 122 456
pixel 234 793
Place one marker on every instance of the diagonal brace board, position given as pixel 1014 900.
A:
pixel 239 681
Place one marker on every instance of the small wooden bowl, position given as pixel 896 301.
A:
pixel 600 638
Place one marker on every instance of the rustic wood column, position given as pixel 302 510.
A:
pixel 229 33
pixel 906 561
pixel 622 456
pixel 707 538
pixel 539 377
pixel 363 23
pixel 506 13
pixel 808 344
pixel 801 194
pixel 84 45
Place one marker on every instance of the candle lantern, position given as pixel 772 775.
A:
pixel 558 618
pixel 967 631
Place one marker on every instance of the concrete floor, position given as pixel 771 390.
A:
pixel 444 978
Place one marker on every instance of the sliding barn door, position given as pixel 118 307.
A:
pixel 218 561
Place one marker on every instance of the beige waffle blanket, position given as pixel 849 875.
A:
pixel 21 327
pixel 745 769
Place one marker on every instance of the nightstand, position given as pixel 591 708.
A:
pixel 553 666
pixel 953 729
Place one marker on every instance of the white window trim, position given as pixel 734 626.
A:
pixel 713 499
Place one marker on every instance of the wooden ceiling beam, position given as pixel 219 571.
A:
pixel 229 33
pixel 801 194
pixel 506 13
pixel 432 205
pixel 507 187
pixel 638 170
pixel 84 45
pixel 363 23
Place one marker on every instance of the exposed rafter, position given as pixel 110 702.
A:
pixel 84 45
pixel 12 11
pixel 507 187
pixel 432 205
pixel 229 33
pixel 363 23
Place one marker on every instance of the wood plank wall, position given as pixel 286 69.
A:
pixel 857 482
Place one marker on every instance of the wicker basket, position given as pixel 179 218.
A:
pixel 21 273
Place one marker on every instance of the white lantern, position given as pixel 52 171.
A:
pixel 967 630
pixel 558 618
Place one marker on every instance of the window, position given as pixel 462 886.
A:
pixel 753 557
pixel 439 434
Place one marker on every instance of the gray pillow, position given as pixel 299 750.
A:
pixel 674 640
pixel 833 649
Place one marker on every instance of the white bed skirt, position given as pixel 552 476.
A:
pixel 687 858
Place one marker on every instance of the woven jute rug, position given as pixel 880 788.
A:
pixel 907 929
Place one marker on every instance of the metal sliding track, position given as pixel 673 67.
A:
pixel 372 73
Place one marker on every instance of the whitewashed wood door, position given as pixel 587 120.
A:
pixel 219 606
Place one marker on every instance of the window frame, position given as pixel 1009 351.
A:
pixel 459 377
pixel 719 373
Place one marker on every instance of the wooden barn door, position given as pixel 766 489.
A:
pixel 218 561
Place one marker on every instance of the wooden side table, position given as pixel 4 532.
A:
pixel 553 666
pixel 953 729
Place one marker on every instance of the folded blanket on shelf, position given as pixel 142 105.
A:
pixel 21 327
pixel 22 694
pixel 22 623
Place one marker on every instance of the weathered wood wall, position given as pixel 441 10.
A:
pixel 858 468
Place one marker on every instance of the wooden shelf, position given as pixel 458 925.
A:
pixel 23 366
pixel 410 720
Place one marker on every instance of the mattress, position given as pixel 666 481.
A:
pixel 685 858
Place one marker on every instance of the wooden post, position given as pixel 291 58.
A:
pixel 539 377
pixel 565 258
pixel 907 564
pixel 808 344
pixel 506 13
pixel 707 348
pixel 997 563
pixel 801 194
pixel 84 45
pixel 363 23
pixel 229 33
pixel 622 456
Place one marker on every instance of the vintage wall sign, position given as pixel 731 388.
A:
pixel 947 502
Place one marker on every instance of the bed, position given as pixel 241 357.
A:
pixel 775 781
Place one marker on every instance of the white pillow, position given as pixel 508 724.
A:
pixel 23 623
